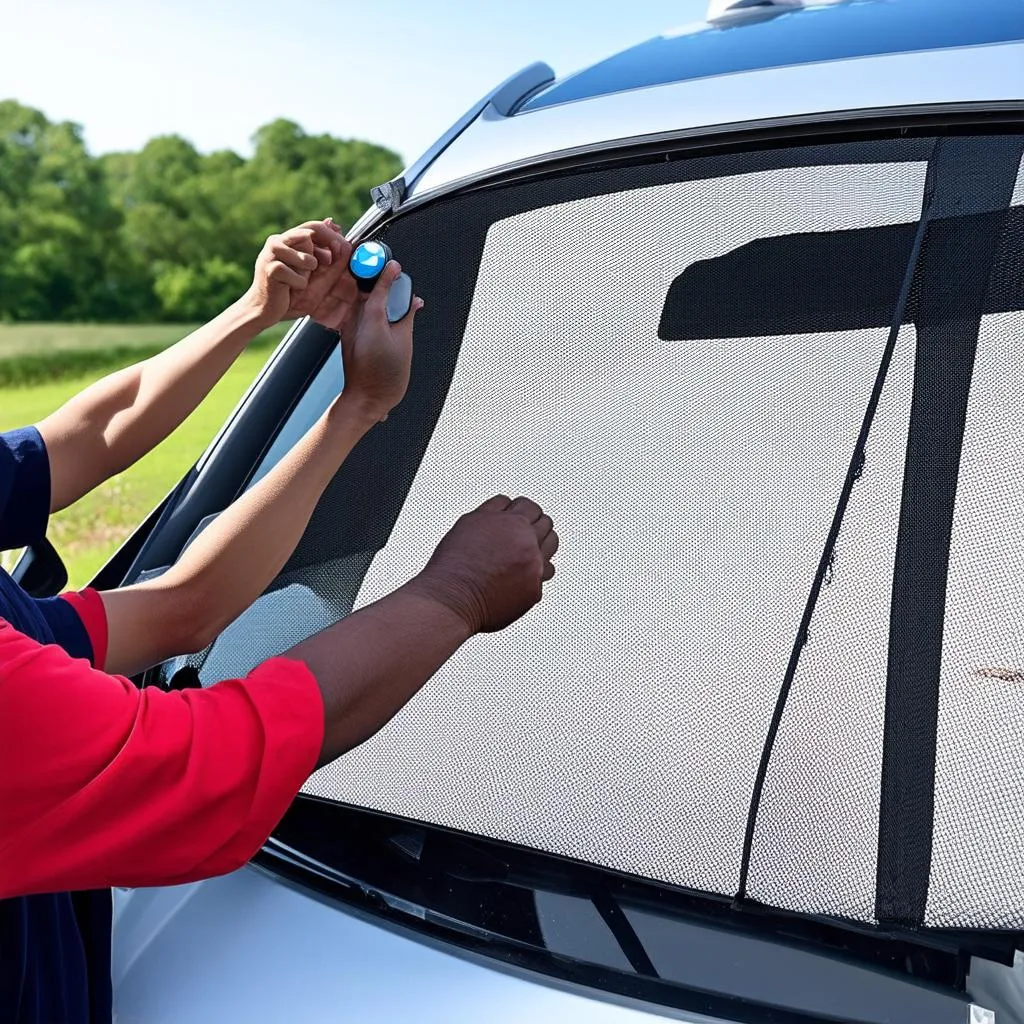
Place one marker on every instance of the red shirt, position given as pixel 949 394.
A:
pixel 103 784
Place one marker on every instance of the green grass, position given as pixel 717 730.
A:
pixel 37 353
pixel 88 533
pixel 19 339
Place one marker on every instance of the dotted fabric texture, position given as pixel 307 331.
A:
pixel 977 867
pixel 816 843
pixel 693 484
pixel 693 467
pixel 977 875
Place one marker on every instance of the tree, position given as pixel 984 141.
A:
pixel 57 221
pixel 198 292
pixel 293 176
pixel 165 232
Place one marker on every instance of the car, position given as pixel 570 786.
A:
pixel 743 307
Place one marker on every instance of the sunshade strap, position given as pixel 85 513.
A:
pixel 852 475
pixel 974 187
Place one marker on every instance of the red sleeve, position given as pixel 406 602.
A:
pixel 89 606
pixel 104 784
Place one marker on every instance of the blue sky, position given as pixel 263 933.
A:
pixel 393 71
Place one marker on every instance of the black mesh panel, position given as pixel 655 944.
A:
pixel 977 868
pixel 676 358
pixel 622 722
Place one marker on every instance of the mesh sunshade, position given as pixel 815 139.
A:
pixel 709 372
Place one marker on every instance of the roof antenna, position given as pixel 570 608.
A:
pixel 724 12
pixel 728 10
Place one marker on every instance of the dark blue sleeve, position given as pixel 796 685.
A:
pixel 24 488
pixel 68 629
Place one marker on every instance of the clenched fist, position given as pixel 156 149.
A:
pixel 491 566
pixel 292 276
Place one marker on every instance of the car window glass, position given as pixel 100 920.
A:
pixel 325 387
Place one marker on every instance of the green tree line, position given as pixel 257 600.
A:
pixel 166 233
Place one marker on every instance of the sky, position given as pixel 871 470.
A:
pixel 396 72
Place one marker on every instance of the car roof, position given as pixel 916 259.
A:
pixel 764 66
pixel 758 37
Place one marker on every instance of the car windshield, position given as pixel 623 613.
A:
pixel 771 396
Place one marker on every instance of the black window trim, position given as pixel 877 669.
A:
pixel 934 958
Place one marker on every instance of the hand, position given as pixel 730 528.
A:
pixel 491 566
pixel 332 298
pixel 378 354
pixel 286 266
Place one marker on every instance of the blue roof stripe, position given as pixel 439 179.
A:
pixel 859 28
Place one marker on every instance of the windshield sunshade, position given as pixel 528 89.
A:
pixel 771 400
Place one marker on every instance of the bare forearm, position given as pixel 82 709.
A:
pixel 247 546
pixel 237 556
pixel 117 420
pixel 371 663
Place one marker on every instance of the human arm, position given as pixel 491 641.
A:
pixel 103 784
pixel 488 571
pixel 117 420
pixel 231 563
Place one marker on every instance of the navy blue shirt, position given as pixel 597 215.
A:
pixel 54 949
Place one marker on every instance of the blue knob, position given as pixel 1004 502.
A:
pixel 368 263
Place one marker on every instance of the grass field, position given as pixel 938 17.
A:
pixel 88 532
pixel 39 353
pixel 19 339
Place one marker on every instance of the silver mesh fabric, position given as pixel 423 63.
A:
pixel 977 875
pixel 296 609
pixel 693 484
pixel 816 844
